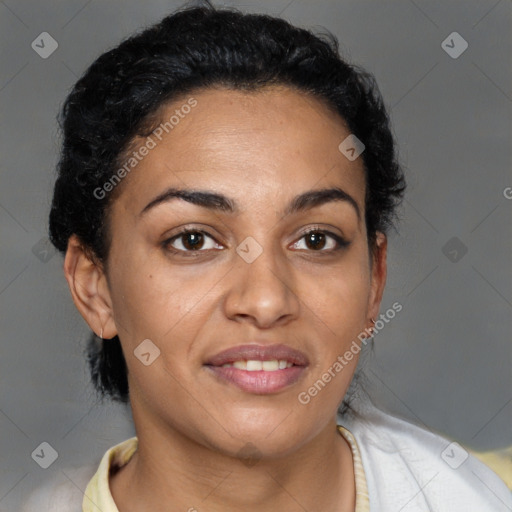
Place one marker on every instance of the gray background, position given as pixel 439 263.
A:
pixel 444 361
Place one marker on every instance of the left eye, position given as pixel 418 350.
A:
pixel 320 241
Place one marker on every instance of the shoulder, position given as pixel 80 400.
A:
pixel 63 491
pixel 415 469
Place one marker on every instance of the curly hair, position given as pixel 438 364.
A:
pixel 120 95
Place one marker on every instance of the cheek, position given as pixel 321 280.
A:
pixel 153 300
pixel 336 306
pixel 339 297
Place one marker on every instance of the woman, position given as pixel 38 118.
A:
pixel 224 193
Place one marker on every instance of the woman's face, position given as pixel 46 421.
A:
pixel 248 277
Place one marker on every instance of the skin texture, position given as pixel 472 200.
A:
pixel 260 149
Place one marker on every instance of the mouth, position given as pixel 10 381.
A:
pixel 259 369
pixel 253 365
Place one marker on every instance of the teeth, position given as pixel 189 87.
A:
pixel 270 366
pixel 254 366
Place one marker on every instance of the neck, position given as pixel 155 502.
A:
pixel 172 470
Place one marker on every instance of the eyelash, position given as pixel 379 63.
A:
pixel 342 243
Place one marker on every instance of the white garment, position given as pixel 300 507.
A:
pixel 63 493
pixel 403 464
pixel 410 469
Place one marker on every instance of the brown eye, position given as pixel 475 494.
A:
pixel 321 241
pixel 191 241
pixel 315 240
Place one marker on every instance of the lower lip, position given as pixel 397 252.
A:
pixel 259 382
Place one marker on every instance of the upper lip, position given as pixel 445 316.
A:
pixel 259 353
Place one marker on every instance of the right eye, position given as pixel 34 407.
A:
pixel 190 240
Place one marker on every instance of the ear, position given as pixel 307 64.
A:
pixel 89 289
pixel 378 274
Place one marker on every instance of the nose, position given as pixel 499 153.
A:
pixel 262 292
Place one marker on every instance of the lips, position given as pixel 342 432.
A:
pixel 259 369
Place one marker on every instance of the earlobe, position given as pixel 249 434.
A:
pixel 379 273
pixel 89 289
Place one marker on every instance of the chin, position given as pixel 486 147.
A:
pixel 270 432
pixel 253 446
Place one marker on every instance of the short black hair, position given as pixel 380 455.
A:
pixel 194 48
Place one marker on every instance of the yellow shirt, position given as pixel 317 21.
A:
pixel 98 498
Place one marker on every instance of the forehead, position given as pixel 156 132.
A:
pixel 267 145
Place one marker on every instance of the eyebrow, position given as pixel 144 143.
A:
pixel 219 202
